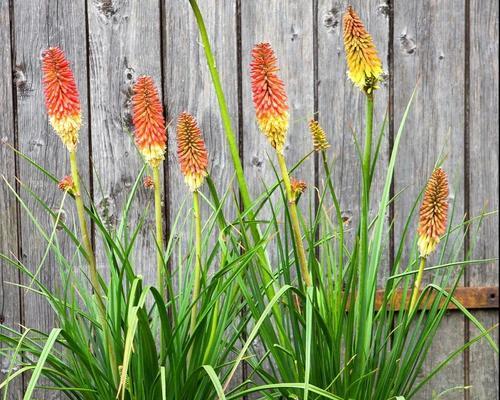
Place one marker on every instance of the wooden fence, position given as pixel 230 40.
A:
pixel 449 46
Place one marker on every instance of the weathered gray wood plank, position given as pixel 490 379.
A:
pixel 189 88
pixel 10 300
pixel 124 39
pixel 37 26
pixel 288 27
pixel 429 44
pixel 483 175
pixel 341 105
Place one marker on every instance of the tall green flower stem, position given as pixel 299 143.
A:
pixel 94 278
pixel 418 282
pixel 80 209
pixel 338 213
pixel 233 147
pixel 159 231
pixel 292 207
pixel 197 266
pixel 366 286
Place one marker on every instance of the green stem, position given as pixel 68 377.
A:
pixel 295 222
pixel 366 288
pixel 418 282
pixel 80 210
pixel 94 277
pixel 233 147
pixel 340 222
pixel 197 267
pixel 159 231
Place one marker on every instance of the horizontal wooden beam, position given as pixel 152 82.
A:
pixel 472 298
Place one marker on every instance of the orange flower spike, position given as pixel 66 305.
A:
pixel 298 187
pixel 148 120
pixel 148 182
pixel 66 184
pixel 365 67
pixel 320 142
pixel 193 156
pixel 269 97
pixel 61 96
pixel 433 213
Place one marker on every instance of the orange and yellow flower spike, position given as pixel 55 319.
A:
pixel 149 123
pixel 61 96
pixel 320 142
pixel 193 156
pixel 433 213
pixel 269 97
pixel 363 62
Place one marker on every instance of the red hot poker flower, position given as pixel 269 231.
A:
pixel 365 67
pixel 66 184
pixel 269 96
pixel 433 212
pixel 149 123
pixel 193 156
pixel 61 96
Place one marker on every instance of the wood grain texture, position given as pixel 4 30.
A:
pixel 341 106
pixel 429 47
pixel 483 178
pixel 189 88
pixel 287 26
pixel 472 298
pixel 10 296
pixel 124 43
pixel 37 26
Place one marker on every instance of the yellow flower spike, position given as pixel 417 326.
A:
pixel 363 62
pixel 269 97
pixel 320 142
pixel 191 151
pixel 433 213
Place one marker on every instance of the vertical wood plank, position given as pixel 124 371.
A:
pixel 189 88
pixel 429 45
pixel 341 105
pixel 483 178
pixel 39 25
pixel 288 27
pixel 124 38
pixel 10 301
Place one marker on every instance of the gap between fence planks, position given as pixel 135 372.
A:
pixel 472 298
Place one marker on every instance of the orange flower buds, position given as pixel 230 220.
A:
pixel 61 96
pixel 148 182
pixel 193 156
pixel 298 187
pixel 269 97
pixel 320 142
pixel 433 213
pixel 365 67
pixel 66 184
pixel 149 123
